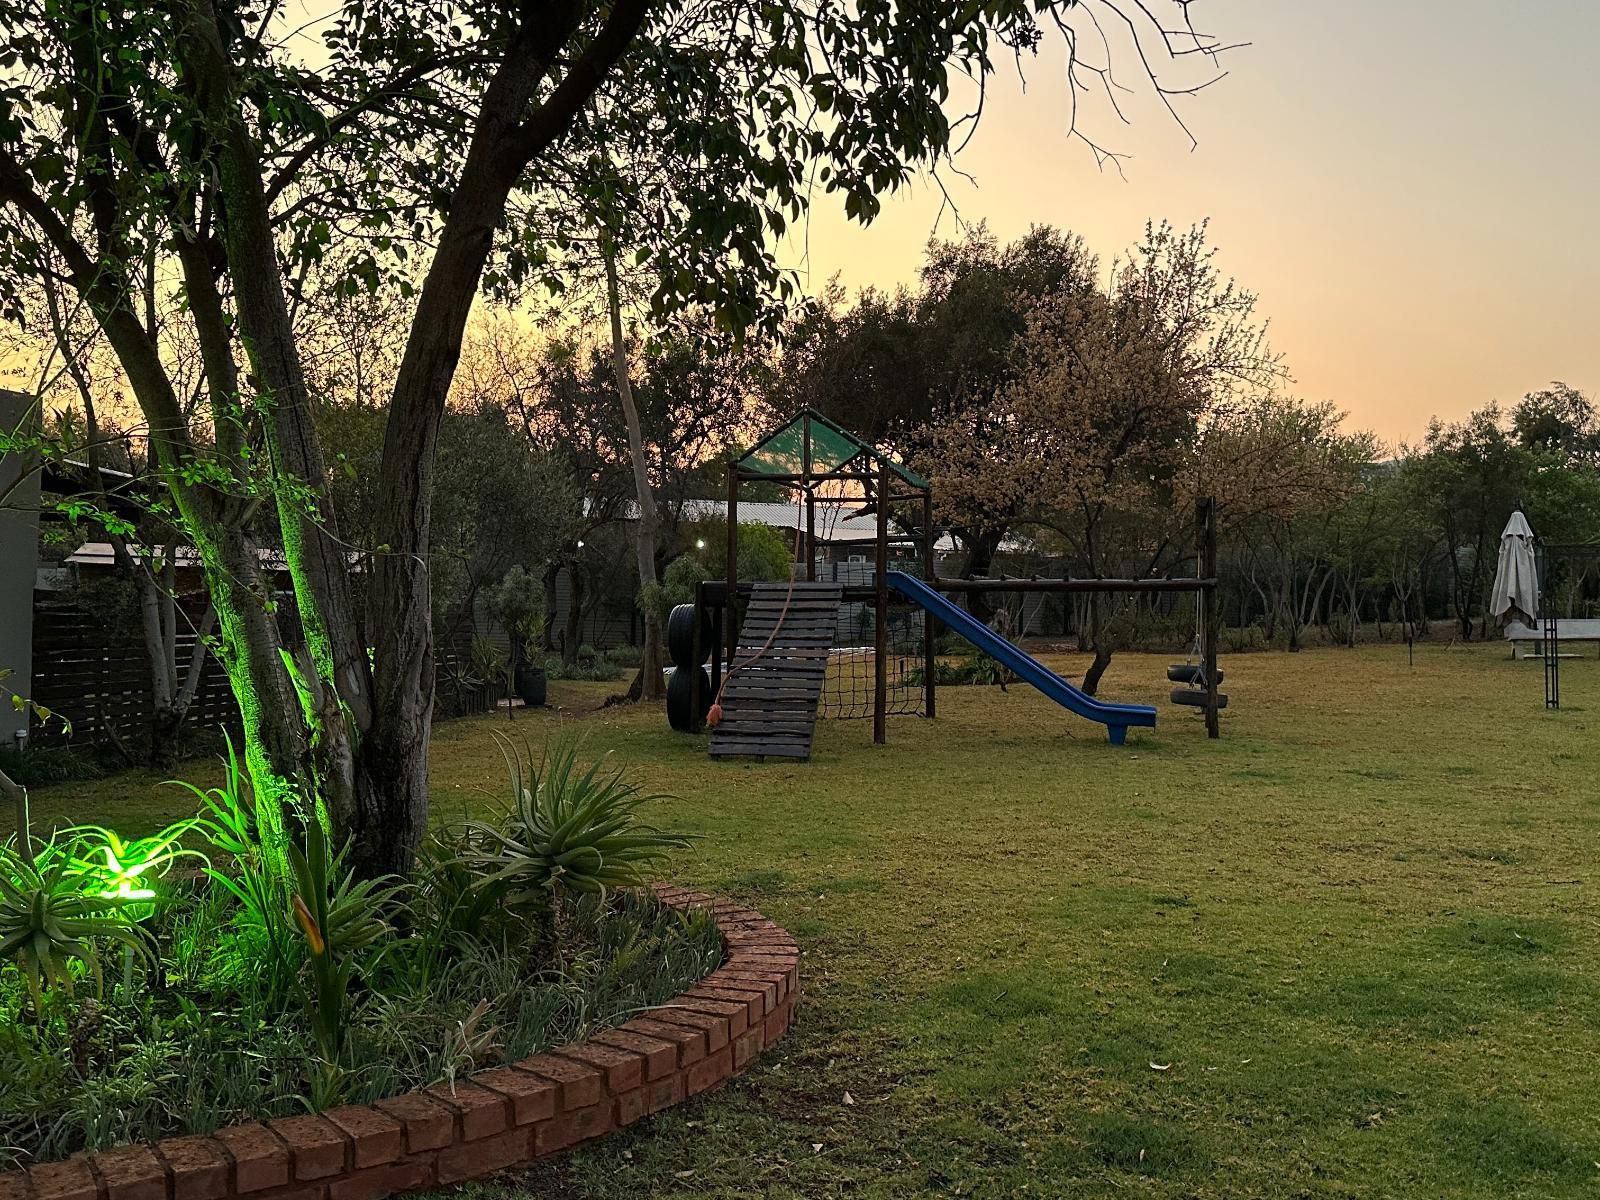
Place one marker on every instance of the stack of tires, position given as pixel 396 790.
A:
pixel 681 714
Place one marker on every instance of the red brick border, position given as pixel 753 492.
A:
pixel 499 1118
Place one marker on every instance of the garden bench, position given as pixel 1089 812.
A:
pixel 1579 630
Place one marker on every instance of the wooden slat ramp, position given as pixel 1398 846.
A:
pixel 769 706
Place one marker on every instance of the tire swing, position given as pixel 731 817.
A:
pixel 1193 672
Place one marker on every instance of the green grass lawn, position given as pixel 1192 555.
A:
pixel 1348 950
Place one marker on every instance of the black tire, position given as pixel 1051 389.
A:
pixel 680 694
pixel 1189 673
pixel 680 636
pixel 1196 699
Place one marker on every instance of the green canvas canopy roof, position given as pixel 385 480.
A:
pixel 783 452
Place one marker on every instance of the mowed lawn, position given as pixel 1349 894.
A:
pixel 1348 950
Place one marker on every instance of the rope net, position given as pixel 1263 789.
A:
pixel 848 687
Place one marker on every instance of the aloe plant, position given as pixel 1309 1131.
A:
pixel 53 914
pixel 567 828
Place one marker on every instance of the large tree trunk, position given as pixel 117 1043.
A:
pixel 333 683
pixel 647 528
pixel 982 545
pixel 572 635
pixel 552 575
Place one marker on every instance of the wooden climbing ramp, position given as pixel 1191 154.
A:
pixel 769 705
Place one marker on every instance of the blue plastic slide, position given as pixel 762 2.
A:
pixel 1115 717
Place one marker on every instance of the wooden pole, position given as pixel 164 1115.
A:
pixel 695 694
pixel 730 616
pixel 880 646
pixel 810 501
pixel 929 665
pixel 1206 516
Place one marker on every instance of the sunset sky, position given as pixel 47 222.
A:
pixel 1413 189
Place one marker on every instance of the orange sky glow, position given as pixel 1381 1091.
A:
pixel 1411 187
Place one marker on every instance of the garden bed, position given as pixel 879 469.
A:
pixel 484 1122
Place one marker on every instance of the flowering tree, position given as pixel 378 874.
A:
pixel 1107 393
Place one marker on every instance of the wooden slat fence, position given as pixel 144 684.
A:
pixel 99 680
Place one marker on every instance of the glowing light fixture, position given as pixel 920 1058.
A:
pixel 122 880
pixel 124 871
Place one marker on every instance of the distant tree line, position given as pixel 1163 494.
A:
pixel 1078 409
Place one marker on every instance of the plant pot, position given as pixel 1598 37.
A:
pixel 531 682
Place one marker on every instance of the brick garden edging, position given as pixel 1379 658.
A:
pixel 490 1121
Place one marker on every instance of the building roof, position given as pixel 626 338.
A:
pixel 101 554
pixel 836 523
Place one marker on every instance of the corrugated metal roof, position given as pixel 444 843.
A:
pixel 836 523
pixel 101 554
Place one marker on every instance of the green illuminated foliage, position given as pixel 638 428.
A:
pixel 124 871
pixel 54 915
pixel 248 992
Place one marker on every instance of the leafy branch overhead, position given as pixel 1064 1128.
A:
pixel 219 166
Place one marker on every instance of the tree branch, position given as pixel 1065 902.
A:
pixel 580 83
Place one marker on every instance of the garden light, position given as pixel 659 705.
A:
pixel 122 879
pixel 129 867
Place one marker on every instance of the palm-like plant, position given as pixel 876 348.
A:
pixel 341 918
pixel 52 915
pixel 566 829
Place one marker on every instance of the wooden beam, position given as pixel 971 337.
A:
pixel 730 617
pixel 929 566
pixel 880 642
pixel 1076 585
pixel 1205 514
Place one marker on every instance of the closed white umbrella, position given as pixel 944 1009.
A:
pixel 1516 579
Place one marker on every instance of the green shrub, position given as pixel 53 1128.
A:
pixel 625 656
pixel 949 643
pixel 763 556
pixel 763 552
pixel 979 669
pixel 597 671
pixel 1242 639
pixel 566 829
pixel 517 602
pixel 41 765
pixel 56 911
pixel 1340 628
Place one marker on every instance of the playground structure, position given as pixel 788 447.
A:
pixel 1554 561
pixel 769 644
